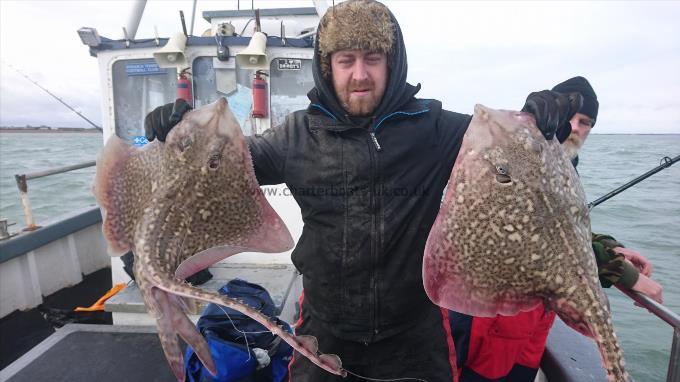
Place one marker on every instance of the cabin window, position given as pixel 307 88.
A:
pixel 290 81
pixel 213 79
pixel 139 86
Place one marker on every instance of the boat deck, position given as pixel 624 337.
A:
pixel 102 352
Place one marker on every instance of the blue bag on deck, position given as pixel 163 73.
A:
pixel 235 361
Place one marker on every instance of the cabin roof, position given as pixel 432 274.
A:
pixel 272 41
pixel 304 11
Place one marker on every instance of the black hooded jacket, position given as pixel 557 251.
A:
pixel 369 194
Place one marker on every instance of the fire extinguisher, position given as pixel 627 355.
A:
pixel 260 95
pixel 184 87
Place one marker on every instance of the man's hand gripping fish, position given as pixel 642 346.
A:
pixel 183 206
pixel 514 232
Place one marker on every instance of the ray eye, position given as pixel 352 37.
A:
pixel 502 174
pixel 214 162
pixel 503 178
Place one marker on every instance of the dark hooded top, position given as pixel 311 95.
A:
pixel 369 192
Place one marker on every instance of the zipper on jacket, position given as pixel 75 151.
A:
pixel 375 141
pixel 374 242
pixel 373 137
pixel 377 221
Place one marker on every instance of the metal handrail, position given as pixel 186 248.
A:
pixel 671 319
pixel 22 185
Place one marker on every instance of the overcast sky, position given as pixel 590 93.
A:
pixel 462 53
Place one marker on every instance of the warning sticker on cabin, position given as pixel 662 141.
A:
pixel 143 69
pixel 290 64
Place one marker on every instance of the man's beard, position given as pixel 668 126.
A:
pixel 572 145
pixel 360 106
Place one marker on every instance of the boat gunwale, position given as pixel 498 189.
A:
pixel 27 241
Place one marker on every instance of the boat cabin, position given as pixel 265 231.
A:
pixel 133 82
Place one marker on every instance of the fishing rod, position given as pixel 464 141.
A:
pixel 666 162
pixel 57 98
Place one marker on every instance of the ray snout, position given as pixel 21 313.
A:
pixel 221 104
pixel 226 121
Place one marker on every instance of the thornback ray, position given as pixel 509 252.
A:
pixel 182 206
pixel 513 233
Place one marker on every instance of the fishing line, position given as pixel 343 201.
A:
pixel 245 338
pixel 385 379
pixel 241 331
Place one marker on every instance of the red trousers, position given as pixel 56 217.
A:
pixel 497 344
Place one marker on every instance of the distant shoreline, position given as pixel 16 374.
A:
pixel 49 131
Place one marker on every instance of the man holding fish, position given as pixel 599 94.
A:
pixel 361 250
pixel 509 348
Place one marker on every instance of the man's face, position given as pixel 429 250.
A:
pixel 580 128
pixel 359 79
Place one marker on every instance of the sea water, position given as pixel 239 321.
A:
pixel 645 218
pixel 52 196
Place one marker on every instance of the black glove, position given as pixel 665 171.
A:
pixel 553 111
pixel 162 119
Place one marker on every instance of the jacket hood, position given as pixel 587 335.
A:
pixel 397 92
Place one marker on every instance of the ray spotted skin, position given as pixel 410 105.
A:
pixel 182 206
pixel 514 232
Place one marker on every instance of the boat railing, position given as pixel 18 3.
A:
pixel 671 319
pixel 22 185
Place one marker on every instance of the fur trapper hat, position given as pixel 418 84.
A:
pixel 354 24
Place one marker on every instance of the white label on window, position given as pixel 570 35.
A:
pixel 290 64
